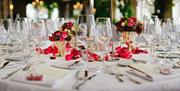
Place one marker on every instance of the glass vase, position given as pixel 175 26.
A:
pixel 61 45
pixel 129 38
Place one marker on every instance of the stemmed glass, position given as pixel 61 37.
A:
pixel 6 37
pixel 152 31
pixel 103 37
pixel 38 33
pixel 168 39
pixel 53 25
pixel 85 35
pixel 21 32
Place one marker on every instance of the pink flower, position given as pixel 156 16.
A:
pixel 130 24
pixel 64 34
pixel 61 38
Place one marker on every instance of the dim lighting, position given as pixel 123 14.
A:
pixel 33 3
pixel 11 6
pixel 37 1
pixel 41 2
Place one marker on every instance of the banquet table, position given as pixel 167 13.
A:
pixel 65 79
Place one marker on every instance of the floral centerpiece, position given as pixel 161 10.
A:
pixel 129 27
pixel 62 37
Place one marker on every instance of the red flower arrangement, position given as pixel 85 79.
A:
pixel 64 33
pixel 130 24
pixel 62 37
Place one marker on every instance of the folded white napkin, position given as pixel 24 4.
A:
pixel 50 76
pixel 153 70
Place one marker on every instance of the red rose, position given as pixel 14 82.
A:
pixel 51 38
pixel 57 33
pixel 64 34
pixel 61 38
pixel 130 24
pixel 134 19
pixel 69 25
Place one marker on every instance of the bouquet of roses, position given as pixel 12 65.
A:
pixel 130 24
pixel 64 33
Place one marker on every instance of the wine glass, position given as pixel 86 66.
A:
pixel 152 32
pixel 6 37
pixel 22 33
pixel 85 36
pixel 103 38
pixel 54 24
pixel 38 33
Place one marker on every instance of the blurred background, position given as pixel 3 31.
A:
pixel 101 8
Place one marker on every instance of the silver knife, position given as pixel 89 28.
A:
pixel 5 64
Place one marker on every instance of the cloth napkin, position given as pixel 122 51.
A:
pixel 153 70
pixel 50 76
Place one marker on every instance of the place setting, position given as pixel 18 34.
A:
pixel 89 45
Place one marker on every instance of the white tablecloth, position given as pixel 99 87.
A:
pixel 101 82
